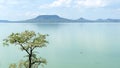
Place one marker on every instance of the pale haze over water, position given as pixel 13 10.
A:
pixel 78 45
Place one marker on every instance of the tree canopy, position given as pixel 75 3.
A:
pixel 28 41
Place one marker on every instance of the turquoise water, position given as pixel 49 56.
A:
pixel 77 45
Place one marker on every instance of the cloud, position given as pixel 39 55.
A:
pixel 76 3
pixel 7 4
pixel 14 3
pixel 31 14
pixel 91 3
pixel 57 3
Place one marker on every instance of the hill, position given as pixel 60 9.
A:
pixel 56 18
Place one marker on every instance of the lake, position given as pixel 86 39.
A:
pixel 73 45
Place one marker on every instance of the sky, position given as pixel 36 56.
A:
pixel 71 9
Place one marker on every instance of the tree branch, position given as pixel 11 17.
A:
pixel 33 48
pixel 36 62
pixel 24 48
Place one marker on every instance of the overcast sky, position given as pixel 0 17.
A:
pixel 72 9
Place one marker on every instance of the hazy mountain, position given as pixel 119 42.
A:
pixel 83 20
pixel 48 18
pixel 4 21
pixel 107 20
pixel 56 18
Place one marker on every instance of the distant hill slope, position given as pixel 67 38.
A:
pixel 56 18
pixel 48 18
pixel 83 20
pixel 4 21
pixel 107 20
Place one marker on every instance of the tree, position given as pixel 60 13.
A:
pixel 28 41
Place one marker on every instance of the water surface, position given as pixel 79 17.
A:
pixel 93 45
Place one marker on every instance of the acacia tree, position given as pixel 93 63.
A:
pixel 28 41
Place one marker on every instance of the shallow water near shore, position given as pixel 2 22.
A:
pixel 74 45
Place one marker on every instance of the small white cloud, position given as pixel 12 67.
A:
pixel 11 3
pixel 91 3
pixel 76 3
pixel 22 15
pixel 60 3
pixel 31 14
pixel 57 3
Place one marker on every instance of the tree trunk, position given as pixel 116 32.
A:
pixel 30 59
